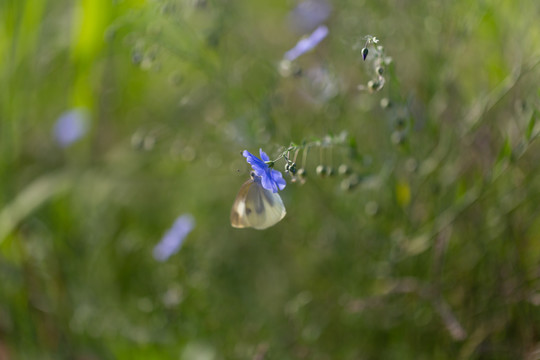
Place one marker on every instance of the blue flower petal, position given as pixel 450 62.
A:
pixel 278 179
pixel 70 127
pixel 306 44
pixel 174 237
pixel 264 157
pixel 308 14
pixel 258 166
pixel 270 179
pixel 268 183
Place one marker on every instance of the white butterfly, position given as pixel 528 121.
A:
pixel 256 207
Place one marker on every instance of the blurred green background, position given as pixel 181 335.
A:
pixel 430 249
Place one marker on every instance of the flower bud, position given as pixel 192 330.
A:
pixel 354 179
pixel 302 173
pixel 292 168
pixel 385 103
pixel 373 85
pixel 380 70
pixel 365 52
pixel 321 170
pixel 344 169
pixel 346 185
pixel 350 183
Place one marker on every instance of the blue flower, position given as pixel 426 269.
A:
pixel 309 14
pixel 70 127
pixel 174 237
pixel 270 179
pixel 308 43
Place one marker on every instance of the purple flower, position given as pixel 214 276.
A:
pixel 306 44
pixel 270 179
pixel 70 127
pixel 174 237
pixel 309 14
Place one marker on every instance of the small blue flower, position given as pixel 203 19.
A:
pixel 270 179
pixel 306 44
pixel 309 14
pixel 70 127
pixel 174 237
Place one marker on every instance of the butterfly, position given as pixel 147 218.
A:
pixel 256 207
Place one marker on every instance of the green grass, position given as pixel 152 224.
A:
pixel 433 255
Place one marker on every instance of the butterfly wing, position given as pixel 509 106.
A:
pixel 238 211
pixel 263 207
pixel 256 207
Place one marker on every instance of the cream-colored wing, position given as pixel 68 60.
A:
pixel 263 208
pixel 238 211
pixel 256 207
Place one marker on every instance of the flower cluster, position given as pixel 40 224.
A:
pixel 378 62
